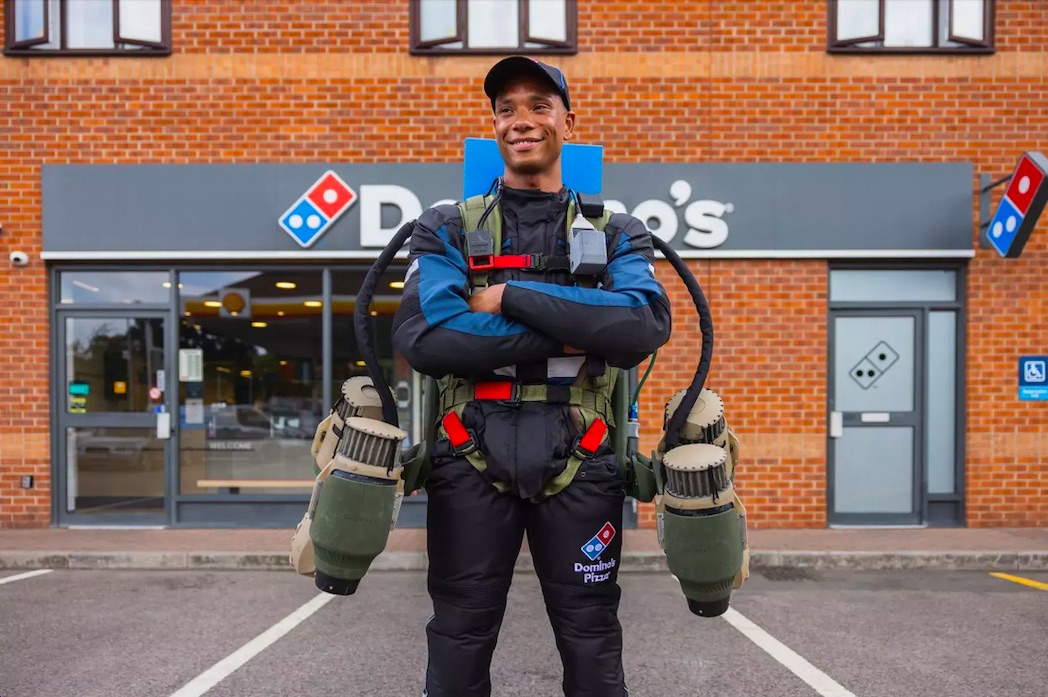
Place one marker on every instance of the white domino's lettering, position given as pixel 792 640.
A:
pixel 700 223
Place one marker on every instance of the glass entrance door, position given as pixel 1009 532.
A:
pixel 114 426
pixel 875 418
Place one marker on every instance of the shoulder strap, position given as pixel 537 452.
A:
pixel 471 210
pixel 599 223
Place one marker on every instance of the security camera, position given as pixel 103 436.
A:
pixel 19 258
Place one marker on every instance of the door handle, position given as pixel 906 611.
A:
pixel 836 424
pixel 163 425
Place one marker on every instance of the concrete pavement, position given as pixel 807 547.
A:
pixel 1023 549
pixel 230 634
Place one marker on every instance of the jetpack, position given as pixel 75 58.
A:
pixel 364 470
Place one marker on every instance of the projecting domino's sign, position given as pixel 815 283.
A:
pixel 295 210
pixel 1021 205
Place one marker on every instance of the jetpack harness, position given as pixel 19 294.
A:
pixel 690 476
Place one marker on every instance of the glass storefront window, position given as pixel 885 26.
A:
pixel 346 360
pixel 111 362
pixel 247 418
pixel 115 287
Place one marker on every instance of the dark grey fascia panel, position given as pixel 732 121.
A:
pixel 717 210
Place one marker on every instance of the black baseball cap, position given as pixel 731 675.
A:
pixel 515 66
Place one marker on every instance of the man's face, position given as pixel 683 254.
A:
pixel 531 125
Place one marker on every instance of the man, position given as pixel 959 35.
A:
pixel 532 326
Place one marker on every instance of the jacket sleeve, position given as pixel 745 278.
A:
pixel 622 321
pixel 434 329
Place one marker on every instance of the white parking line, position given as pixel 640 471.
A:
pixel 28 574
pixel 822 683
pixel 224 668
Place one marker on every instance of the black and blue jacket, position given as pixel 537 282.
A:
pixel 622 321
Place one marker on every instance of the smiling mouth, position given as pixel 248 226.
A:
pixel 525 143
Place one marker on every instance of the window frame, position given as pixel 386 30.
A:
pixel 418 47
pixel 846 46
pixel 25 48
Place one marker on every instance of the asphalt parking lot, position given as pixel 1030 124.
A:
pixel 791 633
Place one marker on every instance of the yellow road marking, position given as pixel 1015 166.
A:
pixel 1024 581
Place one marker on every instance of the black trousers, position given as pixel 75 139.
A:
pixel 474 537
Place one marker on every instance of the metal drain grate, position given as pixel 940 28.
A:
pixel 789 573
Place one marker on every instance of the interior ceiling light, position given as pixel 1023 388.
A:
pixel 396 284
pixel 212 303
pixel 259 325
pixel 312 303
pixel 286 285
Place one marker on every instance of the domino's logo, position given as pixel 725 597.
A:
pixel 1020 206
pixel 599 542
pixel 315 211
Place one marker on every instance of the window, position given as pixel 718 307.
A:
pixel 493 26
pixel 911 26
pixel 87 27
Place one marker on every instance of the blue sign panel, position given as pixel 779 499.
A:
pixel 580 166
pixel 1033 378
pixel 1003 227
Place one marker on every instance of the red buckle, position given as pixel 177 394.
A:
pixel 593 437
pixel 494 391
pixel 457 434
pixel 505 261
pixel 513 261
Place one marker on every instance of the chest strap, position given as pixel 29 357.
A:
pixel 527 262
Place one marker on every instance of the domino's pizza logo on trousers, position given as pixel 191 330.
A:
pixel 600 571
pixel 599 542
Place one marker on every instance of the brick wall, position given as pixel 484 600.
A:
pixel 666 81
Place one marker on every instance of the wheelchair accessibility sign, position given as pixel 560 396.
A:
pixel 1033 378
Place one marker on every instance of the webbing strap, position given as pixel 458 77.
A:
pixel 457 433
pixel 471 210
pixel 585 447
pixel 465 392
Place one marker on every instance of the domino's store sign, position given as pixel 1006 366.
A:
pixel 1022 204
pixel 1033 378
pixel 315 211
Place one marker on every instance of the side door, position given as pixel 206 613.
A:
pixel 876 440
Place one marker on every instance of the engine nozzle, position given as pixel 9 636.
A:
pixel 699 526
pixel 356 504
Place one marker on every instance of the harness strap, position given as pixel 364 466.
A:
pixel 527 262
pixel 471 210
pixel 463 392
pixel 585 447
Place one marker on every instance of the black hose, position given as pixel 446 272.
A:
pixel 676 422
pixel 362 313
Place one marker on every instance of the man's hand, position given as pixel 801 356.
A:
pixel 488 300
